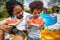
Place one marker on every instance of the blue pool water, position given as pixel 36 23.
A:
pixel 49 20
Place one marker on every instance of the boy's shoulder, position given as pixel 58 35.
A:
pixel 42 18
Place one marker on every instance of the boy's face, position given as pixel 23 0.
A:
pixel 36 13
pixel 18 12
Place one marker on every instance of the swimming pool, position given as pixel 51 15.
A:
pixel 49 19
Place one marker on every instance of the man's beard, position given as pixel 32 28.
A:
pixel 19 17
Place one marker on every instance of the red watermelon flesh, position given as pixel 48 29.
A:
pixel 12 22
pixel 37 22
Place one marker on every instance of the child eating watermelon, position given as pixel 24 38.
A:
pixel 35 24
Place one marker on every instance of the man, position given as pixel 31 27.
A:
pixel 15 10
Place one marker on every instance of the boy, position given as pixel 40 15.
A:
pixel 35 30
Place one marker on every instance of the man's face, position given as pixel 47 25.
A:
pixel 36 13
pixel 18 12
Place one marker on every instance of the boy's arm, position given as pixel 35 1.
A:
pixel 42 26
pixel 29 24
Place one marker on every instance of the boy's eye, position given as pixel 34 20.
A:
pixel 39 13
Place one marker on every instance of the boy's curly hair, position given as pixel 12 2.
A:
pixel 36 5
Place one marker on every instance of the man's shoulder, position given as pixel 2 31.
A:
pixel 28 15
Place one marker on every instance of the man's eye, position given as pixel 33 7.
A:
pixel 19 11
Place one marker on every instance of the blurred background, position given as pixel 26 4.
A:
pixel 50 6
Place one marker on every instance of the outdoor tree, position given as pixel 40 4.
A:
pixel 3 12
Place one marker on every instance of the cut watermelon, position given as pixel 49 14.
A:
pixel 12 22
pixel 37 22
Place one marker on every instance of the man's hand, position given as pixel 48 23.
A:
pixel 6 28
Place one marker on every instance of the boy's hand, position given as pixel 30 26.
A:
pixel 42 26
pixel 29 23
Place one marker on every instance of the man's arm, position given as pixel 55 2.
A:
pixel 3 29
pixel 2 34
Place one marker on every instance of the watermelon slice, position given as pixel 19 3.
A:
pixel 12 22
pixel 37 22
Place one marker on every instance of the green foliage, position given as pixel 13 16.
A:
pixel 3 2
pixel 22 1
pixel 54 7
pixel 1 15
pixel 4 14
pixel 28 11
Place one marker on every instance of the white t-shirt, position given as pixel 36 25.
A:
pixel 23 24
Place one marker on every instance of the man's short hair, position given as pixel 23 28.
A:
pixel 36 5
